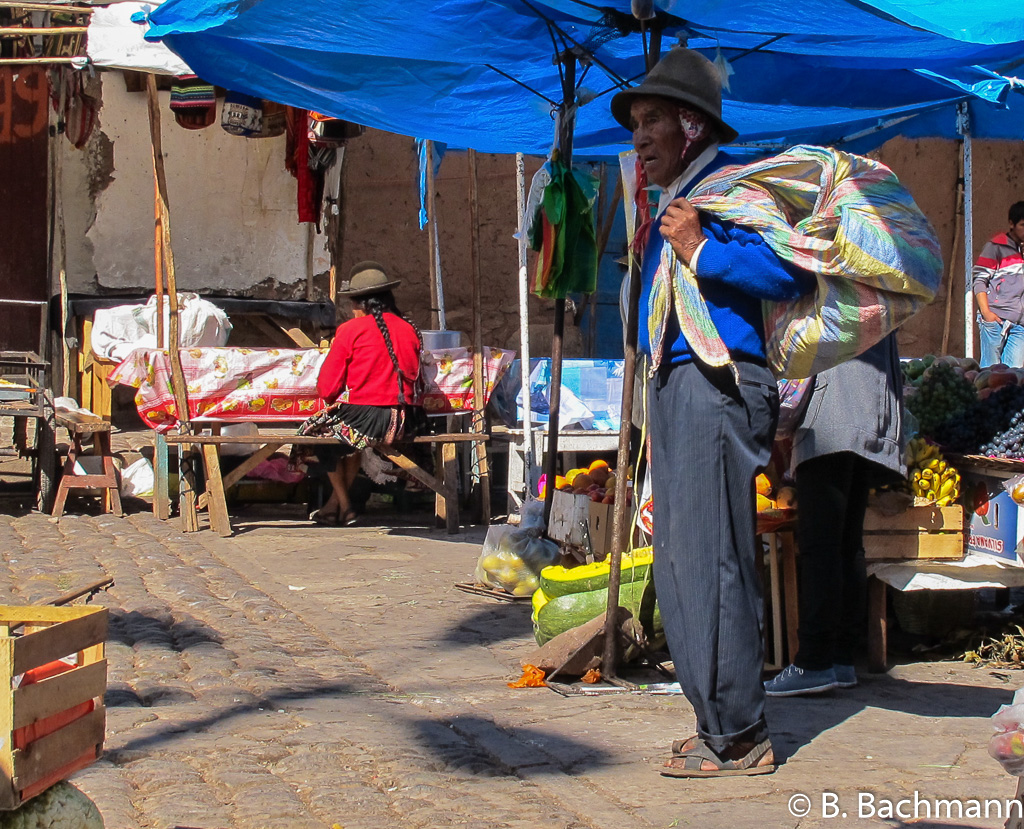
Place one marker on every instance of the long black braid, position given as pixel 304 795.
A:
pixel 377 305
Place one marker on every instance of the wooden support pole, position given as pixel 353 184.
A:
pixel 158 264
pixel 878 626
pixel 479 425
pixel 310 245
pixel 622 524
pixel 173 346
pixel 26 31
pixel 161 474
pixel 46 7
pixel 29 61
pixel 958 232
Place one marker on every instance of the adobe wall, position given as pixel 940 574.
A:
pixel 929 168
pixel 233 206
pixel 381 208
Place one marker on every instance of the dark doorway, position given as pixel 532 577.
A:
pixel 24 97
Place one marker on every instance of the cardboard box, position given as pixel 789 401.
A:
pixel 52 724
pixel 927 532
pixel 996 521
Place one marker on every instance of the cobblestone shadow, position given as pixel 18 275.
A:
pixel 796 721
pixel 490 625
pixel 500 751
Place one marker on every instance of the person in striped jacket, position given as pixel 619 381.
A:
pixel 998 282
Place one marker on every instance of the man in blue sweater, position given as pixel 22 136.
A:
pixel 710 435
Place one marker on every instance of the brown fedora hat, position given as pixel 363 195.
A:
pixel 686 77
pixel 367 278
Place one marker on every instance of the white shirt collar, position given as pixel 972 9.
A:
pixel 699 163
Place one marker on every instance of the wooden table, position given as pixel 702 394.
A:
pixel 213 499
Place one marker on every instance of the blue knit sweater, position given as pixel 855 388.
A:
pixel 736 269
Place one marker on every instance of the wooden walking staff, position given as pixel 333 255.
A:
pixel 478 425
pixel 566 124
pixel 622 524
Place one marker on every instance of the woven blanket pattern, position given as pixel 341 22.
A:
pixel 676 286
pixel 847 220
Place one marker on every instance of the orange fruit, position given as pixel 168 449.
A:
pixel 582 481
pixel 598 465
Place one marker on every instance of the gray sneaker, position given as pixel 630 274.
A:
pixel 846 676
pixel 794 681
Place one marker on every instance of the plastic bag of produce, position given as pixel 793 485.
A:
pixel 531 514
pixel 539 553
pixel 1007 744
pixel 512 558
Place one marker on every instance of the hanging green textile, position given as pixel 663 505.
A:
pixel 564 231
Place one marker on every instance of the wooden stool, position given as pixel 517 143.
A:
pixel 78 425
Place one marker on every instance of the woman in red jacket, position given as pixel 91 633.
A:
pixel 368 380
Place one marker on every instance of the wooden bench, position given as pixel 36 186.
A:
pixel 79 425
pixel 214 500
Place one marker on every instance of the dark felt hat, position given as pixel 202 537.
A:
pixel 683 76
pixel 367 278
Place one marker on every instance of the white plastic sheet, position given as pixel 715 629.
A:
pixel 115 41
pixel 974 571
pixel 118 331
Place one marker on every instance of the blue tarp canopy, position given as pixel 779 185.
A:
pixel 480 73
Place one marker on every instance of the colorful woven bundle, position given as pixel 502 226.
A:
pixel 842 217
pixel 675 284
pixel 188 92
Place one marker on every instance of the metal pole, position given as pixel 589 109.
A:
pixel 524 328
pixel 964 125
pixel 566 123
pixel 436 314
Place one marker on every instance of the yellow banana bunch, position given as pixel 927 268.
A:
pixel 920 452
pixel 931 478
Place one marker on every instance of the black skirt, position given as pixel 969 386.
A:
pixel 358 427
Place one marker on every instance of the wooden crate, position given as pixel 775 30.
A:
pixel 40 745
pixel 927 532
pixel 580 523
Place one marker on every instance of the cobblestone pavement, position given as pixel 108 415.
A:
pixel 297 676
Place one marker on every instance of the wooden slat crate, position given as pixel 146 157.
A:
pixel 52 724
pixel 927 532
pixel 581 524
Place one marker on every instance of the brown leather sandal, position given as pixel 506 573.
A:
pixel 689 761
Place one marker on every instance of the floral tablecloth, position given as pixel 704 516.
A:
pixel 279 384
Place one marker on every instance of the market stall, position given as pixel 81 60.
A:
pixel 278 386
pixel 959 528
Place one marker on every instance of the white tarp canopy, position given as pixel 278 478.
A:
pixel 115 42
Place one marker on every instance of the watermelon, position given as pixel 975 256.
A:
pixel 561 581
pixel 561 613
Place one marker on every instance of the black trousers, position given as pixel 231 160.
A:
pixel 832 491
pixel 709 438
